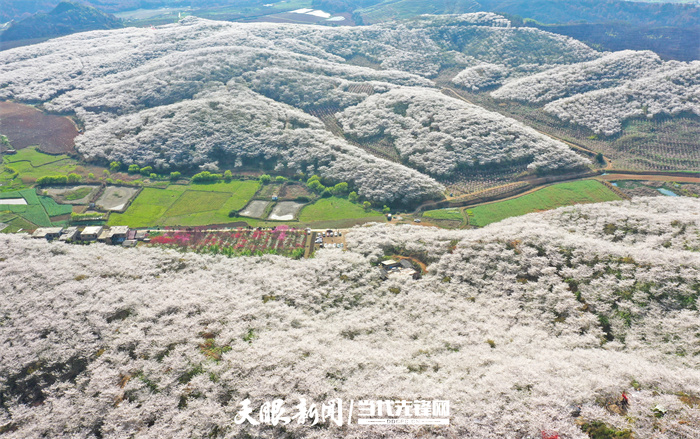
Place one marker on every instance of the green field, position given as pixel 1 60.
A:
pixel 333 209
pixel 193 205
pixel 550 197
pixel 445 214
pixel 31 165
pixel 36 212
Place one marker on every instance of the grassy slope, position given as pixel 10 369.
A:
pixel 551 197
pixel 32 164
pixel 445 214
pixel 331 209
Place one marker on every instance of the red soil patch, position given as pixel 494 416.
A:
pixel 26 126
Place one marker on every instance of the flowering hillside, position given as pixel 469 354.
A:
pixel 602 93
pixel 515 324
pixel 211 94
pixel 439 134
pixel 669 91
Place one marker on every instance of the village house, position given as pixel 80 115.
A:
pixel 117 234
pixel 402 268
pixel 69 234
pixel 48 233
pixel 91 233
pixel 102 237
pixel 389 264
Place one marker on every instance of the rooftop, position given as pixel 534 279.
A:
pixel 92 230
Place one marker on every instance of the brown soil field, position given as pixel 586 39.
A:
pixel 26 126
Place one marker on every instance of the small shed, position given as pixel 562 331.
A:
pixel 141 235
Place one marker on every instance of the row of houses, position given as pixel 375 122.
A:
pixel 116 235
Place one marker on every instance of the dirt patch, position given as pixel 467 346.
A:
pixel 268 191
pixel 291 191
pixel 116 198
pixel 72 194
pixel 26 126
pixel 255 209
pixel 285 211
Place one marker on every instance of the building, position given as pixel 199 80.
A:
pixel 102 237
pixel 397 269
pixel 141 235
pixel 117 234
pixel 48 233
pixel 69 234
pixel 389 264
pixel 91 233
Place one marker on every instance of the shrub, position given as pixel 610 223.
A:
pixel 115 166
pixel 54 179
pixel 265 179
pixel 205 177
pixel 340 189
pixel 133 169
pixel 146 170
pixel 228 176
pixel 175 175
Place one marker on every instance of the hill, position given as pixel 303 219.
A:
pixel 515 325
pixel 544 11
pixel 66 18
pixel 671 30
pixel 174 96
pixel 392 109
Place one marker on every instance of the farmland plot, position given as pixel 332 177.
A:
pixel 26 126
pixel 281 240
pixel 72 194
pixel 115 198
pixel 285 211
pixel 255 209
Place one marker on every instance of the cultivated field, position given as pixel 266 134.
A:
pixel 550 197
pixel 334 209
pixel 192 205
pixel 452 214
pixel 255 209
pixel 26 126
pixel 24 168
pixel 282 240
pixel 39 211
pixel 115 198
pixel 285 211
